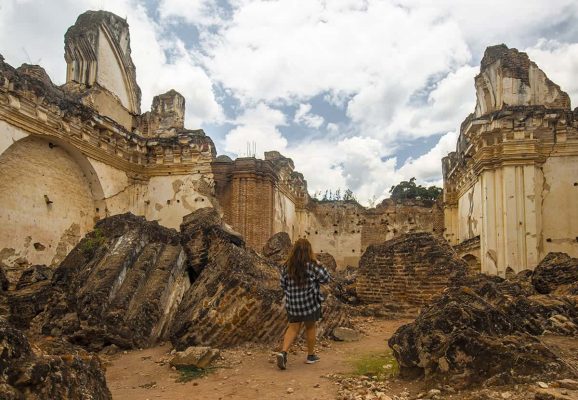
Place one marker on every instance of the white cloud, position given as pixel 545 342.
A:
pixel 380 52
pixel 513 22
pixel 560 63
pixel 201 12
pixel 384 71
pixel 303 116
pixel 357 163
pixel 256 126
pixel 427 167
pixel 450 101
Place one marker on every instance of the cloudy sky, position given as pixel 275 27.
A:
pixel 360 93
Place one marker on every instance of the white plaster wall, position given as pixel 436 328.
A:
pixel 344 245
pixel 32 173
pixel 512 222
pixel 120 194
pixel 170 198
pixel 470 213
pixel 109 73
pixel 9 135
pixel 285 218
pixel 491 239
pixel 560 206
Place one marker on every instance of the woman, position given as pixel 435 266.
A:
pixel 300 279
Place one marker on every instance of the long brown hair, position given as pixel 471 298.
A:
pixel 301 254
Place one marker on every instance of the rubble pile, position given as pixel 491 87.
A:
pixel 557 274
pixel 236 297
pixel 487 330
pixel 31 293
pixel 132 283
pixel 48 370
pixel 118 286
pixel 277 248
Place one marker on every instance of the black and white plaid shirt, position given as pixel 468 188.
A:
pixel 306 299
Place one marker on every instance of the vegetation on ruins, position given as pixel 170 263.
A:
pixel 409 190
pixel 382 365
pixel 334 195
pixel 92 241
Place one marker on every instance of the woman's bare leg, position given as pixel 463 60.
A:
pixel 311 336
pixel 290 335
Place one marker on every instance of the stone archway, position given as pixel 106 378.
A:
pixel 474 264
pixel 50 198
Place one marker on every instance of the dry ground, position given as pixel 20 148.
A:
pixel 249 372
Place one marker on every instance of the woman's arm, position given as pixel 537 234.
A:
pixel 321 273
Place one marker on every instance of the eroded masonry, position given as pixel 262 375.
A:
pixel 510 188
pixel 71 155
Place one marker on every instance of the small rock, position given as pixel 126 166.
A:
pixel 434 392
pixel 542 385
pixel 197 356
pixel 316 385
pixel 506 395
pixel 290 390
pixel 345 334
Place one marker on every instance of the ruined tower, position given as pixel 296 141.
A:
pixel 512 180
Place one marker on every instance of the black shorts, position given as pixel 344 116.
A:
pixel 314 316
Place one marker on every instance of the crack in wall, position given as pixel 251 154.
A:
pixel 546 187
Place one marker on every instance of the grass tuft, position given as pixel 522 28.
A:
pixel 187 374
pixel 92 241
pixel 381 365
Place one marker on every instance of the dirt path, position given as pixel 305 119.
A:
pixel 251 374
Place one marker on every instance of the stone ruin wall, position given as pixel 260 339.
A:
pixel 408 270
pixel 66 161
pixel 345 229
pixel 260 198
pixel 512 180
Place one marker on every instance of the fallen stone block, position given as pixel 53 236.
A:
pixel 236 296
pixel 344 334
pixel 197 356
pixel 556 272
pixel 48 370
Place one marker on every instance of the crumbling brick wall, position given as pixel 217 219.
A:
pixel 345 229
pixel 409 269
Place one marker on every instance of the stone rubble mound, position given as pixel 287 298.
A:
pixel 277 248
pixel 31 293
pixel 47 370
pixel 118 286
pixel 558 274
pixel 132 283
pixel 236 297
pixel 486 330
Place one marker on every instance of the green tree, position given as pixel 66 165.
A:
pixel 409 190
